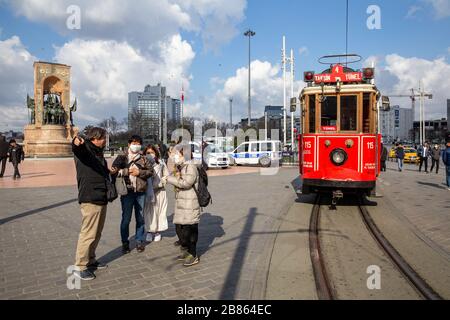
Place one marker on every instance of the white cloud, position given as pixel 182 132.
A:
pixel 412 11
pixel 266 89
pixel 400 74
pixel 441 8
pixel 16 80
pixel 140 22
pixel 303 51
pixel 104 71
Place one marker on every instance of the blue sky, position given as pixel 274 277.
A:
pixel 414 36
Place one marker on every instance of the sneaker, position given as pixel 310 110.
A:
pixel 190 260
pixel 183 256
pixel 149 237
pixel 157 237
pixel 97 266
pixel 125 248
pixel 140 248
pixel 177 243
pixel 85 275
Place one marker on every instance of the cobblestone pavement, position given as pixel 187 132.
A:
pixel 421 199
pixel 38 173
pixel 39 229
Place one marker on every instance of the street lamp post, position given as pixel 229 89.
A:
pixel 231 112
pixel 283 58
pixel 249 33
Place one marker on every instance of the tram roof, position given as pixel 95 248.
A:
pixel 345 88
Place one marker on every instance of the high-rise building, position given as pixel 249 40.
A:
pixel 396 124
pixel 150 108
pixel 448 110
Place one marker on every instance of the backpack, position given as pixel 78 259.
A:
pixel 203 195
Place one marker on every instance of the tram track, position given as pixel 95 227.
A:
pixel 324 285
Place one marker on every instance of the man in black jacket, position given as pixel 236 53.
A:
pixel 92 172
pixel 4 146
pixel 16 156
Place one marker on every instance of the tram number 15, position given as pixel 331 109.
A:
pixel 307 144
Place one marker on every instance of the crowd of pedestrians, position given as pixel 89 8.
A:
pixel 139 177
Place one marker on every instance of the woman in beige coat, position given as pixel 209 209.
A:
pixel 155 210
pixel 187 208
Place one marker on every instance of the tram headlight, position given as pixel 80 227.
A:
pixel 338 157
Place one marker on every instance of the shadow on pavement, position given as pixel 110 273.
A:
pixel 228 291
pixel 435 185
pixel 210 228
pixel 34 211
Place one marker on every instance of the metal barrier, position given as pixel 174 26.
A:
pixel 291 160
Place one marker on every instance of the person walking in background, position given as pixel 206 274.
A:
pixel 91 168
pixel 135 170
pixel 446 159
pixel 187 208
pixel 435 154
pixel 400 155
pixel 155 210
pixel 4 147
pixel 423 153
pixel 383 158
pixel 16 156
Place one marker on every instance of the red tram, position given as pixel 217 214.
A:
pixel 339 144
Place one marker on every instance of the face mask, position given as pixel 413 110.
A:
pixel 178 159
pixel 135 148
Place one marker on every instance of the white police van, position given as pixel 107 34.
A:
pixel 264 153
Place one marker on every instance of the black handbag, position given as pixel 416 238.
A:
pixel 111 191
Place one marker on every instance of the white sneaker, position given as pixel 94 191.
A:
pixel 157 237
pixel 149 237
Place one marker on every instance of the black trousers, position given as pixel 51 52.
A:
pixel 422 161
pixel 3 161
pixel 188 235
pixel 433 163
pixel 383 165
pixel 16 169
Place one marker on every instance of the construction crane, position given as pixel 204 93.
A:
pixel 413 97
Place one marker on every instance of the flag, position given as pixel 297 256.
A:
pixel 182 93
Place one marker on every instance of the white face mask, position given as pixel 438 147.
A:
pixel 178 159
pixel 135 148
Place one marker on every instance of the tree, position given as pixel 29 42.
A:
pixel 87 129
pixel 114 125
pixel 135 121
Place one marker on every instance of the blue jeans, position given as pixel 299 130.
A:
pixel 448 176
pixel 132 200
pixel 400 163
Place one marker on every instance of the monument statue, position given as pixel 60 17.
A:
pixel 51 128
pixel 30 106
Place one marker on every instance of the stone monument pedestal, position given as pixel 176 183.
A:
pixel 49 140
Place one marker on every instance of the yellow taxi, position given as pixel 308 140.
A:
pixel 411 155
pixel 392 153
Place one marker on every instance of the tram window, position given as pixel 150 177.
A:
pixel 312 113
pixel 366 112
pixel 349 113
pixel 329 111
